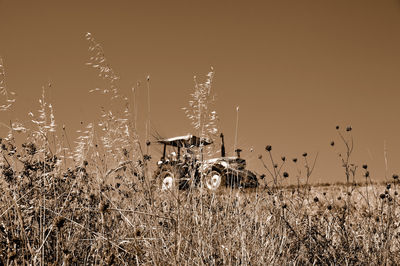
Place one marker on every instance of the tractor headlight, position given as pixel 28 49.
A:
pixel 224 164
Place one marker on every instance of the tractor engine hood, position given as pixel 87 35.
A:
pixel 228 162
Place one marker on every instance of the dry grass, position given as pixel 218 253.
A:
pixel 51 216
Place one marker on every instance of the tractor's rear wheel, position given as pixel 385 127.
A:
pixel 215 180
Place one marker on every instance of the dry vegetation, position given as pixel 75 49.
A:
pixel 98 204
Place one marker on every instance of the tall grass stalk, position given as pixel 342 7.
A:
pixel 8 95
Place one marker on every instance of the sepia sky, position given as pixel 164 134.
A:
pixel 296 69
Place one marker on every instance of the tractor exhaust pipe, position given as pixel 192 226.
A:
pixel 222 145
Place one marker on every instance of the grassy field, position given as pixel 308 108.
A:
pixel 51 216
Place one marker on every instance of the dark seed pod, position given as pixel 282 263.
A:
pixel 285 175
pixel 104 206
pixel 59 222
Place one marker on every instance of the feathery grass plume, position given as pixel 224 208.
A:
pixel 83 144
pixel 9 95
pixel 117 124
pixel 44 121
pixel 45 133
pixel 200 111
pixel 99 61
pixel 18 127
pixel 116 136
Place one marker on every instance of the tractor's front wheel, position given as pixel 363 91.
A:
pixel 215 180
pixel 167 181
pixel 166 178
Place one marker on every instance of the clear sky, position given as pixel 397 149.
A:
pixel 295 68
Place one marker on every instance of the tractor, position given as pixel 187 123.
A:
pixel 184 167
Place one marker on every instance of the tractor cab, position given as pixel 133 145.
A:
pixel 184 144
